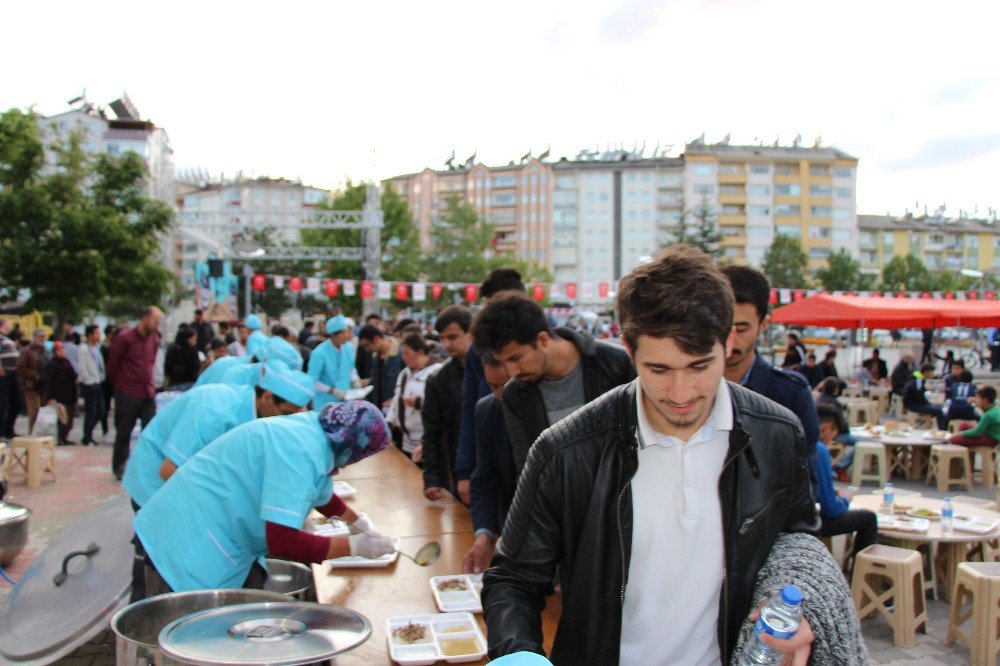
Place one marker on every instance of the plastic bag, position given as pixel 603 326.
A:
pixel 47 422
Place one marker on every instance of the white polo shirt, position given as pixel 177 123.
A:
pixel 675 572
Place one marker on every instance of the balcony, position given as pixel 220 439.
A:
pixel 733 219
pixel 734 198
pixel 668 201
pixel 734 178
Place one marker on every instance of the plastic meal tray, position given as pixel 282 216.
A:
pixel 459 600
pixel 354 562
pixel 441 629
pixel 969 523
pixel 344 490
pixel 903 523
pixel 335 527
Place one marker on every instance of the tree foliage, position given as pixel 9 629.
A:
pixel 703 233
pixel 906 273
pixel 843 273
pixel 82 235
pixel 785 263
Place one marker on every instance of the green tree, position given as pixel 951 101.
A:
pixel 272 300
pixel 785 263
pixel 82 236
pixel 906 273
pixel 843 273
pixel 462 249
pixel 703 233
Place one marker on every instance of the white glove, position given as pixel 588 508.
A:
pixel 364 525
pixel 337 393
pixel 370 547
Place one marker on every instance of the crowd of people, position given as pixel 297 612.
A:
pixel 586 464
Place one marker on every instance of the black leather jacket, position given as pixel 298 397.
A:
pixel 573 509
pixel 605 366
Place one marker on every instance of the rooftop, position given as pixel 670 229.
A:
pixel 928 223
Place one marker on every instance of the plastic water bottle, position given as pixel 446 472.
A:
pixel 888 498
pixel 780 617
pixel 947 517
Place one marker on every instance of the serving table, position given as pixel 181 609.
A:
pixel 390 491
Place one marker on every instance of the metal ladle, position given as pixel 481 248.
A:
pixel 427 555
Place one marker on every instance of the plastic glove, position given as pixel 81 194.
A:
pixel 370 547
pixel 337 393
pixel 364 525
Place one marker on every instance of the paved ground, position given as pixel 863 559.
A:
pixel 85 481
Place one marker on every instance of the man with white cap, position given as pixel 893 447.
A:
pixel 332 363
pixel 213 374
pixel 198 416
pixel 280 349
pixel 247 495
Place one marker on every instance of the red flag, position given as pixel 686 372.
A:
pixel 925 294
pixel 367 289
pixel 402 291
pixel 538 292
pixel 973 295
pixel 602 289
pixel 773 298
pixel 798 295
pixel 949 295
pixel 436 290
pixel 259 282
pixel 571 290
pixel 295 284
pixel 332 288
pixel 471 292
pixel 991 295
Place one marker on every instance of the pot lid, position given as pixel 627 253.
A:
pixel 13 512
pixel 265 633
pixel 41 620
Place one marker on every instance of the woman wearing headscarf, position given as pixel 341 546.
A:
pixel 247 495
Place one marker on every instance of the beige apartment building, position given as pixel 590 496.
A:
pixel 940 243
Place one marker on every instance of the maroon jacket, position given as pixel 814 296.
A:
pixel 130 364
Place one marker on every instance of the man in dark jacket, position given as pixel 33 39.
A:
pixel 203 329
pixel 59 381
pixel 659 502
pixel 902 373
pixel 915 396
pixel 555 371
pixel 387 363
pixel 442 406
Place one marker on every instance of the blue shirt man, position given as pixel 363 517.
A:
pixel 331 363
pixel 213 374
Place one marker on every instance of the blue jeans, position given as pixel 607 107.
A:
pixel 93 407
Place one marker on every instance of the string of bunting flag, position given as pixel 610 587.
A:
pixel 420 291
pixel 783 296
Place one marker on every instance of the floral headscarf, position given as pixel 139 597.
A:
pixel 355 431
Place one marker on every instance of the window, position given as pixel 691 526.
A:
pixel 704 169
pixel 534 179
pixel 790 230
pixel 786 170
pixel 732 210
pixel 787 210
pixel 504 198
pixel 867 238
pixel 819 232
pixel 760 168
pixel 887 241
pixel 564 181
pixel 730 168
pixel 759 231
pixel 759 210
pixel 841 234
pixel 562 198
pixel 819 170
pixel 671 180
pixel 842 192
pixel 789 190
pixel 646 176
pixel 842 172
pixel 821 211
pixel 602 196
pixel 842 214
pixel 760 189
pixel 820 190
pixel 869 257
pixel 704 190
pixel 504 181
pixel 731 231
pixel 972 241
pixel 819 252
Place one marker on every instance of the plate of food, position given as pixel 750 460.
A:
pixel 458 593
pixel 421 640
pixel 929 514
pixel 937 434
pixel 333 526
pixel 901 509
pixel 357 562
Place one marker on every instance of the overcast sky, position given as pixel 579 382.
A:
pixel 328 90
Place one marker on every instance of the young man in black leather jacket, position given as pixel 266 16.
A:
pixel 659 501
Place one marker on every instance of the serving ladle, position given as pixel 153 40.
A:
pixel 427 555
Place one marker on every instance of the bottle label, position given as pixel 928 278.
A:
pixel 762 627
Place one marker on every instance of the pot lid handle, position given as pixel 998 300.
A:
pixel 61 577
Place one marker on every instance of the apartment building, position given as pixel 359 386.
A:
pixel 759 192
pixel 941 243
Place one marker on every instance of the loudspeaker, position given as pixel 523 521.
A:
pixel 215 268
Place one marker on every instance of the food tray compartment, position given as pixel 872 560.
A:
pixel 354 562
pixel 467 599
pixel 344 490
pixel 977 524
pixel 903 523
pixel 443 633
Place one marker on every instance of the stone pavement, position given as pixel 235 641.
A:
pixel 85 481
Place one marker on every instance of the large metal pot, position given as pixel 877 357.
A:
pixel 137 626
pixel 13 531
pixel 291 578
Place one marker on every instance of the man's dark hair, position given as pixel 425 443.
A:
pixel 280 331
pixel 828 413
pixel 369 332
pixel 793 335
pixel 90 328
pixel 217 343
pixel 749 286
pixel 988 393
pixel 198 313
pixel 490 359
pixel 832 353
pixel 277 398
pixel 926 367
pixel 402 323
pixel 416 342
pixel 372 315
pixel 184 334
pixel 875 353
pixel 958 363
pixel 501 279
pixel 308 324
pixel 829 386
pixel 811 356
pixel 510 317
pixel 678 295
pixel 454 314
pixel 223 325
pixel 411 329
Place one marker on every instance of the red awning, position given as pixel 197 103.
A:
pixel 877 312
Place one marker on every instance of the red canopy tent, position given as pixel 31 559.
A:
pixel 878 312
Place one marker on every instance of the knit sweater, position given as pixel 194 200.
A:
pixel 802 560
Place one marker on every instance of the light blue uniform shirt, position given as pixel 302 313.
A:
pixel 181 429
pixel 206 527
pixel 213 373
pixel 242 375
pixel 332 367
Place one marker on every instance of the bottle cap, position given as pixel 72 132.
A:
pixel 791 595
